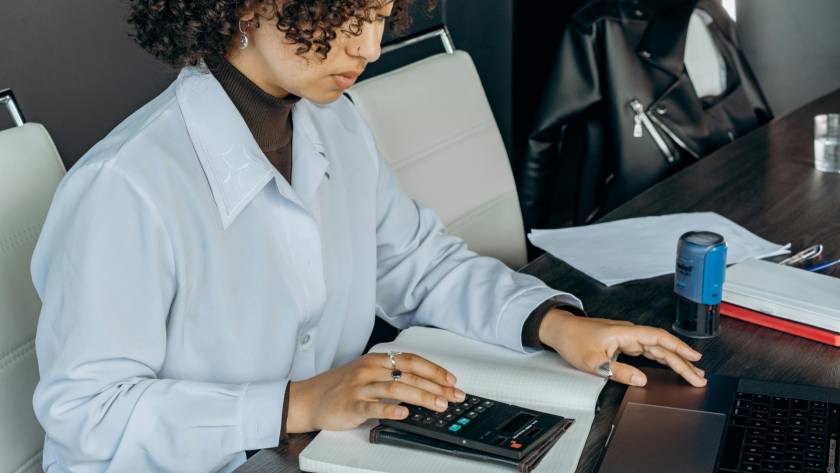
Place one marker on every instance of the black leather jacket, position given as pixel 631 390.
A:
pixel 620 112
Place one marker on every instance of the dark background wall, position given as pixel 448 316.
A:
pixel 793 47
pixel 538 28
pixel 74 68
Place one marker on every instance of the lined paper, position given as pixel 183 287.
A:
pixel 541 381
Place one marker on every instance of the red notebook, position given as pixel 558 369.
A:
pixel 813 333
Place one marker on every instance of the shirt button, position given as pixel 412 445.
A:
pixel 305 339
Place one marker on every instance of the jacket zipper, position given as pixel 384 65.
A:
pixel 642 117
pixel 676 139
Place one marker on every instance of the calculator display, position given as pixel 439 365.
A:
pixel 516 423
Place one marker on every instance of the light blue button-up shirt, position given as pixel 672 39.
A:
pixel 185 282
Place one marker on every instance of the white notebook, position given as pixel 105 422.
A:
pixel 785 292
pixel 541 381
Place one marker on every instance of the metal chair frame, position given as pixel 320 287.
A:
pixel 7 98
pixel 441 32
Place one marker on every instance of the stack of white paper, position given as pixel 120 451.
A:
pixel 637 248
pixel 785 292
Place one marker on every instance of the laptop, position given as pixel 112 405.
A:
pixel 731 425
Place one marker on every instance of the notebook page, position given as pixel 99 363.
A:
pixel 350 452
pixel 541 381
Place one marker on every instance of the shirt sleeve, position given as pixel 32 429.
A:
pixel 105 272
pixel 428 277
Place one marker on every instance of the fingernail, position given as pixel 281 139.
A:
pixel 402 412
pixel 450 379
pixel 637 380
pixel 460 395
pixel 441 403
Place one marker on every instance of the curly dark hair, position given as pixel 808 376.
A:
pixel 183 32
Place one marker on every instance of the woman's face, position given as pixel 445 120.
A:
pixel 272 63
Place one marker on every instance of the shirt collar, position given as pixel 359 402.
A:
pixel 235 167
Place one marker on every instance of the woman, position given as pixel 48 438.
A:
pixel 210 270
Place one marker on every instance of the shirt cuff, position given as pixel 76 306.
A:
pixel 531 328
pixel 520 307
pixel 262 416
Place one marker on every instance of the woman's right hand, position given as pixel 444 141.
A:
pixel 347 396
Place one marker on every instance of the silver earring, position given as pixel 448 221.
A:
pixel 243 40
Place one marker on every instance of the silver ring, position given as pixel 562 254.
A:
pixel 392 357
pixel 604 370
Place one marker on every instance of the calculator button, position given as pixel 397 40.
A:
pixel 473 400
pixel 458 410
pixel 471 414
pixel 454 427
pixel 440 423
pixel 448 417
pixel 428 420
pixel 416 417
pixel 487 403
pixel 463 421
pixel 479 408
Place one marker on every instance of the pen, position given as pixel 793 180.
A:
pixel 821 265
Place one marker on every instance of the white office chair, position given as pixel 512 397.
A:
pixel 30 170
pixel 433 124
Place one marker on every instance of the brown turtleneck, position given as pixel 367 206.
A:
pixel 269 118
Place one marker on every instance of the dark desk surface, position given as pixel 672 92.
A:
pixel 766 182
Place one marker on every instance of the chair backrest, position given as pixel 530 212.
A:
pixel 30 170
pixel 433 124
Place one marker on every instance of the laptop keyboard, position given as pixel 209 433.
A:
pixel 773 433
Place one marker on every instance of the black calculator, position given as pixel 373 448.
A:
pixel 483 425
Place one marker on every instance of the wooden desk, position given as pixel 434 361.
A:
pixel 766 182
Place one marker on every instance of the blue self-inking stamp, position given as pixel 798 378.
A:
pixel 698 283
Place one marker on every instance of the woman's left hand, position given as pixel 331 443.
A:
pixel 586 343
